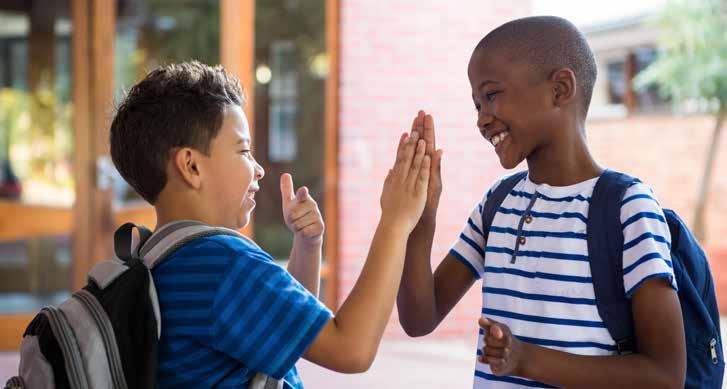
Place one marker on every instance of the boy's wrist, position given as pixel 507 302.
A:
pixel 394 226
pixel 424 227
pixel 308 243
pixel 429 218
pixel 526 368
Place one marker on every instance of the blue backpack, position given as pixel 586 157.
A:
pixel 705 359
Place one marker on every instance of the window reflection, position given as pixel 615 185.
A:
pixel 35 105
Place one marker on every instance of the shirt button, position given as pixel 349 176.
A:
pixel 528 219
pixel 522 240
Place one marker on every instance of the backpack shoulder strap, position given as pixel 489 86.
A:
pixel 605 254
pixel 496 198
pixel 174 235
pixel 124 240
pixel 125 244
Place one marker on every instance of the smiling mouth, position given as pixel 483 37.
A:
pixel 498 138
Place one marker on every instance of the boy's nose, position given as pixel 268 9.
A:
pixel 484 119
pixel 259 171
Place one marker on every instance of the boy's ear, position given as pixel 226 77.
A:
pixel 185 162
pixel 564 86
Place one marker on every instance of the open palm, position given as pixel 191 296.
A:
pixel 424 125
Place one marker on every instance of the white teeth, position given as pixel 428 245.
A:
pixel 498 138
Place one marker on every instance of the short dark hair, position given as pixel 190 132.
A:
pixel 177 105
pixel 548 43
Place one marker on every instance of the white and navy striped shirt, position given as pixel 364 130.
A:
pixel 546 297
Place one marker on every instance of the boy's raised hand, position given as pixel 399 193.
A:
pixel 502 351
pixel 405 188
pixel 424 125
pixel 300 211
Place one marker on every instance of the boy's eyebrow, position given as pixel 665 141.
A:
pixel 243 140
pixel 485 82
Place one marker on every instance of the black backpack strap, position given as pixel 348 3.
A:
pixel 106 272
pixel 605 253
pixel 123 238
pixel 495 199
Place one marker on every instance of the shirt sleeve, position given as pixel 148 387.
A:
pixel 264 318
pixel 647 241
pixel 469 247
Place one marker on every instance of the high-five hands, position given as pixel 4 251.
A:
pixel 423 125
pixel 405 188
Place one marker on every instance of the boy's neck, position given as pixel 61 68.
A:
pixel 564 162
pixel 175 208
pixel 165 217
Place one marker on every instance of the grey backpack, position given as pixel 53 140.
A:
pixel 106 334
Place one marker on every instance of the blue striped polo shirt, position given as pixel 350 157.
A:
pixel 546 297
pixel 229 311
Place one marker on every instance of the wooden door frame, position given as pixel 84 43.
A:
pixel 94 32
pixel 330 165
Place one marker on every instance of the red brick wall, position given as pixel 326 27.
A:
pixel 397 57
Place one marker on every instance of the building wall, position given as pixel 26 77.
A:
pixel 668 153
pixel 395 58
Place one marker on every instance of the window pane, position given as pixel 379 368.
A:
pixel 649 99
pixel 616 82
pixel 36 138
pixel 283 92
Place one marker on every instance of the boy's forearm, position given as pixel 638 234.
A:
pixel 416 298
pixel 364 314
pixel 304 264
pixel 579 371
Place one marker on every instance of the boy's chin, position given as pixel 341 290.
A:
pixel 508 163
pixel 244 220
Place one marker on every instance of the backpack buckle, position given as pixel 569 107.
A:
pixel 626 346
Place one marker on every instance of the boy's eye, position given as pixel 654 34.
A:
pixel 490 96
pixel 245 152
pixel 477 108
